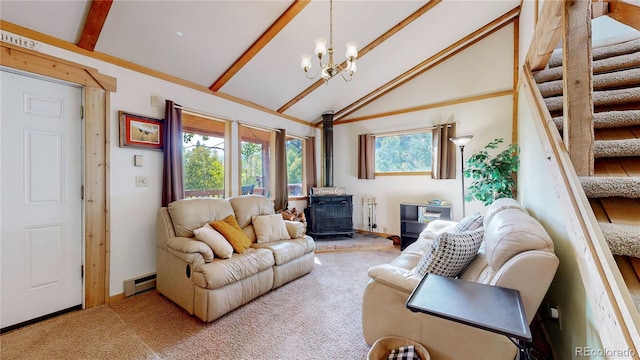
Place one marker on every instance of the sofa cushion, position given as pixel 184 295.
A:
pixel 470 222
pixel 216 241
pixel 189 214
pixel 247 206
pixel 269 228
pixel 499 205
pixel 287 250
pixel 221 272
pixel 511 232
pixel 231 231
pixel 450 253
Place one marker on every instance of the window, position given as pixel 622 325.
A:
pixel 255 160
pixel 404 153
pixel 203 156
pixel 295 167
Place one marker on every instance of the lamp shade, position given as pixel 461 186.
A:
pixel 321 46
pixel 352 49
pixel 306 62
pixel 461 140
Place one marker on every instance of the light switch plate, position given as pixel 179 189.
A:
pixel 137 160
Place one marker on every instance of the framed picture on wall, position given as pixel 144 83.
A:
pixel 140 131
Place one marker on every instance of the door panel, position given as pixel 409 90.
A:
pixel 41 209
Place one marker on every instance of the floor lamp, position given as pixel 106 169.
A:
pixel 460 142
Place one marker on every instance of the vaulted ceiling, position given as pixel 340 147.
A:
pixel 249 51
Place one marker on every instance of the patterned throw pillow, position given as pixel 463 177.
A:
pixel 449 253
pixel 470 222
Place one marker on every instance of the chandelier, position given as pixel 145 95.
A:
pixel 329 69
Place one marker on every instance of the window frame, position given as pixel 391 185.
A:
pixel 303 154
pixel 200 124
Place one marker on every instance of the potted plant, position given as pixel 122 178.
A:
pixel 492 177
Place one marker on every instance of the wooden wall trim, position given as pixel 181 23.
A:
pixel 96 155
pixel 516 80
pixel 546 35
pixel 610 302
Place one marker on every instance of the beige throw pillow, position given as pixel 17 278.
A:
pixel 220 246
pixel 269 228
pixel 296 229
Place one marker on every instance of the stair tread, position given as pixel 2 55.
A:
pixel 609 120
pixel 601 98
pixel 610 186
pixel 616 79
pixel 599 66
pixel 622 239
pixel 616 148
pixel 602 52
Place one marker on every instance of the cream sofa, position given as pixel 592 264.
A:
pixel 516 253
pixel 189 274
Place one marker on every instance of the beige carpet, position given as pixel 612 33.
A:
pixel 315 317
pixel 359 241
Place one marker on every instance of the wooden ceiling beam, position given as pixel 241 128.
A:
pixel 93 24
pixel 259 44
pixel 429 63
pixel 411 18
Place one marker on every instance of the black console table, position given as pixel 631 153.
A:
pixel 330 215
pixel 492 308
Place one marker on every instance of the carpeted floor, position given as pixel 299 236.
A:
pixel 315 317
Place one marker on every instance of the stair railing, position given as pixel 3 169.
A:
pixel 609 298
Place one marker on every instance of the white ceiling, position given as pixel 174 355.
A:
pixel 216 33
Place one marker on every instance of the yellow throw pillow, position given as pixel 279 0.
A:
pixel 230 229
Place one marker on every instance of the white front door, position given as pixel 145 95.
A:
pixel 41 205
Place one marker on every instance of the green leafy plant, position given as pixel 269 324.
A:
pixel 492 177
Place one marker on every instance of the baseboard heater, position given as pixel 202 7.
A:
pixel 139 284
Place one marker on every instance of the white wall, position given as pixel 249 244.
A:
pixel 483 68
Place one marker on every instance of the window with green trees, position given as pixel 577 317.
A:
pixel 255 160
pixel 203 151
pixel 294 166
pixel 404 153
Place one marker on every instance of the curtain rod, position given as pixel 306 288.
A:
pixel 202 113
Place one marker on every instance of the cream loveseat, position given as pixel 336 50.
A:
pixel 207 286
pixel 516 253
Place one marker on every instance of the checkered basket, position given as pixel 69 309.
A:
pixel 383 346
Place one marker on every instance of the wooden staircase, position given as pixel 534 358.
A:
pixel 614 189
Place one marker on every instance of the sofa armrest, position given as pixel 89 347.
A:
pixel 395 277
pixel 190 250
pixel 436 227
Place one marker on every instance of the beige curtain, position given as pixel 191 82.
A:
pixel 172 183
pixel 444 152
pixel 366 156
pixel 310 163
pixel 281 198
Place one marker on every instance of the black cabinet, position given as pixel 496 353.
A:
pixel 415 217
pixel 330 215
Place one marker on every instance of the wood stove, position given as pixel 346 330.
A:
pixel 330 215
pixel 330 212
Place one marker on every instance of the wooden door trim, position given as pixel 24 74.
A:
pixel 97 89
